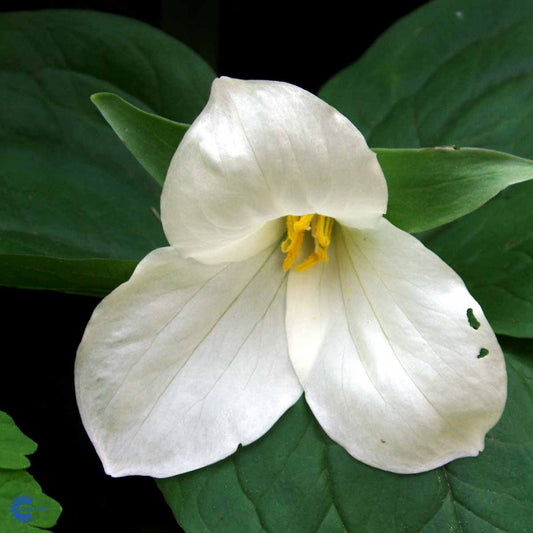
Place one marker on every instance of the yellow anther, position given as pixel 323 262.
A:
pixel 321 228
pixel 287 243
pixel 303 223
pixel 292 250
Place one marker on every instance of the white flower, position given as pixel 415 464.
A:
pixel 215 337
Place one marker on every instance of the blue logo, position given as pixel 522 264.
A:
pixel 21 508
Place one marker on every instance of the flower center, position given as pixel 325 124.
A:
pixel 320 227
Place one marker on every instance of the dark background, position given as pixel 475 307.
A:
pixel 291 41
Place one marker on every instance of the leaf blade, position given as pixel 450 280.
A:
pixel 150 138
pixel 442 76
pixel 18 489
pixel 433 186
pixel 72 191
pixel 499 273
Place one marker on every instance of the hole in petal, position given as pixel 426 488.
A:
pixel 482 353
pixel 472 320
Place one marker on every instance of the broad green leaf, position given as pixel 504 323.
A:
pixel 14 445
pixel 492 250
pixel 92 277
pixel 71 192
pixel 150 138
pixel 454 72
pixel 296 479
pixel 430 187
pixel 18 490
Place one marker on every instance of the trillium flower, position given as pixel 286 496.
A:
pixel 282 277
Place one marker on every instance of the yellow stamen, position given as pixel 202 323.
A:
pixel 303 223
pixel 321 228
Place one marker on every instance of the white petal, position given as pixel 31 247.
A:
pixel 184 362
pixel 261 150
pixel 380 340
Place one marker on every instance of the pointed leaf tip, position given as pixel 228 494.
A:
pixel 150 138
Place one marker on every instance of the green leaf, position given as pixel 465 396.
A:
pixel 92 277
pixel 71 191
pixel 14 445
pixel 16 483
pixel 454 72
pixel 150 138
pixel 430 187
pixel 492 250
pixel 296 479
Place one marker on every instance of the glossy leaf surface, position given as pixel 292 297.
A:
pixel 71 191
